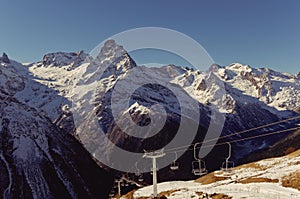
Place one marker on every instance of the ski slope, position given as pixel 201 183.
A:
pixel 263 179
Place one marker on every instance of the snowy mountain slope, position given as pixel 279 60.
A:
pixel 270 178
pixel 247 85
pixel 38 159
pixel 252 97
pixel 279 90
pixel 244 85
pixel 243 106
pixel 10 81
pixel 49 83
pixel 244 109
pixel 280 148
pixel 45 85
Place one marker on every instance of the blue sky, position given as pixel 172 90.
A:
pixel 261 33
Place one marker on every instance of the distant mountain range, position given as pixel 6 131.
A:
pixel 41 151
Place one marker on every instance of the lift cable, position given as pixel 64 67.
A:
pixel 236 133
pixel 238 140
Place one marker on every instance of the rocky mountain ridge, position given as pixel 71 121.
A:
pixel 42 94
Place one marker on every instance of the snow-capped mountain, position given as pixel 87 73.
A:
pixel 274 91
pixel 279 90
pixel 37 158
pixel 42 93
pixel 252 97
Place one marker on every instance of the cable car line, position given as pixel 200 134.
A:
pixel 242 139
pixel 237 133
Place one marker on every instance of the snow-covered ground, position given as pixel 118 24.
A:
pixel 262 179
pixel 191 189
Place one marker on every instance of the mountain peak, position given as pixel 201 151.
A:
pixel 114 56
pixel 111 49
pixel 239 67
pixel 5 58
pixel 214 68
pixel 111 61
pixel 60 59
pixel 298 75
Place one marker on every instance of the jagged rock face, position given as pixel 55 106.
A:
pixel 249 76
pixel 10 81
pixel 278 90
pixel 65 120
pixel 115 59
pixel 298 75
pixel 214 68
pixel 111 50
pixel 229 103
pixel 202 86
pixel 5 58
pixel 61 59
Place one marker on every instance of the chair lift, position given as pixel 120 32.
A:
pixel 198 166
pixel 126 179
pixel 138 173
pixel 140 179
pixel 174 165
pixel 228 165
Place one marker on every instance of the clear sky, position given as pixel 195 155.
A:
pixel 261 33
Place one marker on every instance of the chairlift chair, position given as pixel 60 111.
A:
pixel 199 168
pixel 198 165
pixel 174 165
pixel 140 179
pixel 227 166
pixel 138 173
